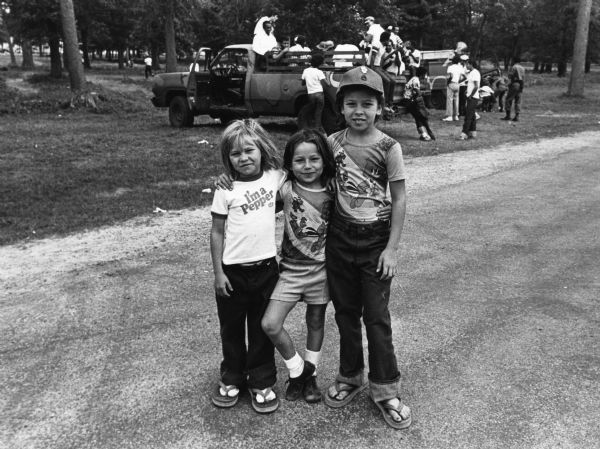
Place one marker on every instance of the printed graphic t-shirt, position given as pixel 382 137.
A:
pixel 362 175
pixel 306 214
pixel 250 212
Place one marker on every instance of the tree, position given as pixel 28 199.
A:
pixel 576 81
pixel 71 46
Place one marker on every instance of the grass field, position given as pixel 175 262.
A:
pixel 64 170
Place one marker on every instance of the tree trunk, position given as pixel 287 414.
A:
pixel 120 58
pixel 576 81
pixel 170 37
pixel 27 50
pixel 71 46
pixel 11 51
pixel 55 60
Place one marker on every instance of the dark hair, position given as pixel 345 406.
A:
pixel 516 59
pixel 320 141
pixel 384 37
pixel 234 135
pixel 456 59
pixel 300 39
pixel 316 59
pixel 421 72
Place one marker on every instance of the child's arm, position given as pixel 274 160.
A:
pixel 387 259
pixel 217 238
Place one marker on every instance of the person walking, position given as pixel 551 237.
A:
pixel 147 66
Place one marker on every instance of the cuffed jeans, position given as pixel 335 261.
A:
pixel 452 100
pixel 252 288
pixel 352 253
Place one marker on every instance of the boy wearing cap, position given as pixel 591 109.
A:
pixel 361 250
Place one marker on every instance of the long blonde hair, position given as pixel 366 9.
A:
pixel 251 129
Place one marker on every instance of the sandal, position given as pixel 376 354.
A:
pixel 224 400
pixel 259 400
pixel 338 387
pixel 385 409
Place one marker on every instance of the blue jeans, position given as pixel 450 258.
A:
pixel 352 252
pixel 252 288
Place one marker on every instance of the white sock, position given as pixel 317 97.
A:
pixel 312 357
pixel 295 365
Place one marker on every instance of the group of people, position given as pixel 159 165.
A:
pixel 343 200
pixel 466 91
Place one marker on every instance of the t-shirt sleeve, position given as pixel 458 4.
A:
pixel 321 75
pixel 219 204
pixel 395 163
pixel 304 74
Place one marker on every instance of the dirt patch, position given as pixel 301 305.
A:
pixel 36 265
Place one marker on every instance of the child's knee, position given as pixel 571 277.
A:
pixel 271 326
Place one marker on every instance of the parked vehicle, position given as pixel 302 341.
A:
pixel 233 86
pixel 433 61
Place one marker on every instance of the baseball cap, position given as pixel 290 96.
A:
pixel 362 76
pixel 369 19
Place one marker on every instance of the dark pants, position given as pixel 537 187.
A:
pixel 514 94
pixel 148 71
pixel 352 252
pixel 252 288
pixel 316 103
pixel 470 123
pixel 419 111
pixel 462 100
pixel 389 84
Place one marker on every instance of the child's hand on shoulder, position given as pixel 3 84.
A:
pixel 222 285
pixel 224 182
pixel 386 265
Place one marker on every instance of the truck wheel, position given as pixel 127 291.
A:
pixel 438 99
pixel 180 115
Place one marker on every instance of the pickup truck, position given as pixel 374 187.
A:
pixel 234 86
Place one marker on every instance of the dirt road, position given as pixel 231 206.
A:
pixel 109 338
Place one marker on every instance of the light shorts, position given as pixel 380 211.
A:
pixel 302 282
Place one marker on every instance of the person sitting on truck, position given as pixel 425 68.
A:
pixel 391 61
pixel 374 29
pixel 389 81
pixel 412 56
pixel 264 39
pixel 394 37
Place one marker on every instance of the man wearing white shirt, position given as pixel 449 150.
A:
pixel 469 130
pixel 374 30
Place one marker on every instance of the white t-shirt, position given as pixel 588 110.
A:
pixel 148 61
pixel 250 212
pixel 455 70
pixel 473 77
pixel 313 77
pixel 298 47
pixel 375 30
pixel 414 58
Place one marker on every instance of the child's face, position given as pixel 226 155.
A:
pixel 307 165
pixel 360 109
pixel 246 158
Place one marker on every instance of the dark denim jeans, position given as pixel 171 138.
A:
pixel 356 291
pixel 470 123
pixel 252 288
